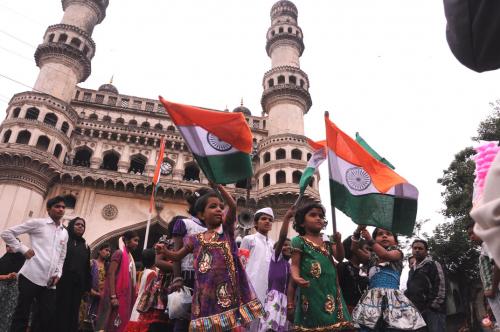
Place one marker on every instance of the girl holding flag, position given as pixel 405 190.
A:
pixel 321 306
pixel 223 298
pixel 384 307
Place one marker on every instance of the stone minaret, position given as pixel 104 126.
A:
pixel 284 153
pixel 35 136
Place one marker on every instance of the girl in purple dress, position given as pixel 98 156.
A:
pixel 223 298
pixel 275 306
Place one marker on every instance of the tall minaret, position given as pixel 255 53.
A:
pixel 35 135
pixel 285 98
pixel 284 153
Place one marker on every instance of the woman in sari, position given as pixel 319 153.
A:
pixel 116 304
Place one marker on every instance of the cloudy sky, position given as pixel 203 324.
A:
pixel 382 68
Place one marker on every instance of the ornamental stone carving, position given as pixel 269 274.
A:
pixel 109 212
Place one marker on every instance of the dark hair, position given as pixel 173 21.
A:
pixel 421 241
pixel 129 235
pixel 192 198
pixel 103 246
pixel 374 234
pixel 276 243
pixel 71 228
pixel 171 225
pixel 54 200
pixel 469 224
pixel 298 223
pixel 347 246
pixel 148 258
pixel 201 203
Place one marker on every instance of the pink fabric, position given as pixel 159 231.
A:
pixel 123 290
pixel 483 158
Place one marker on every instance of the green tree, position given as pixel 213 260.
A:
pixel 449 243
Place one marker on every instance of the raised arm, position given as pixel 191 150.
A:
pixel 382 253
pixel 363 255
pixel 338 248
pixel 284 230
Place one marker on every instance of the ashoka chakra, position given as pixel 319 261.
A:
pixel 217 144
pixel 357 178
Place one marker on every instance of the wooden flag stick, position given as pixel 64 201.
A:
pixel 332 200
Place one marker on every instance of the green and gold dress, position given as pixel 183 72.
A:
pixel 320 307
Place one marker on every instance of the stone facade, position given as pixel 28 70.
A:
pixel 99 147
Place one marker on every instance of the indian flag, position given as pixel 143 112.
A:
pixel 157 173
pixel 317 158
pixel 220 142
pixel 366 189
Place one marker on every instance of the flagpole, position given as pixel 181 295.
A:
pixel 147 231
pixel 332 199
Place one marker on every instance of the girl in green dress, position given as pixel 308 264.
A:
pixel 320 306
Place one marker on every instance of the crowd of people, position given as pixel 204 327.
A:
pixel 198 277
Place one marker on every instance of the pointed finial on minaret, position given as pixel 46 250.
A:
pixel 111 79
pixel 241 101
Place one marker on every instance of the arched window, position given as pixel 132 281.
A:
pixel 290 30
pixel 270 82
pixel 296 154
pixel 266 180
pixel 43 143
pixel 16 112
pixel 106 118
pixel 82 157
pixel 57 150
pixel 145 124
pixel 281 79
pixel 311 183
pixel 120 121
pixel 292 79
pixel 51 38
pixel 75 42
pixel 158 126
pixel 242 184
pixel 171 128
pixel 191 172
pixel 23 137
pixel 137 164
pixel 280 154
pixel 32 113
pixel 6 136
pixel 280 30
pixel 50 119
pixel 273 33
pixel 132 123
pixel 296 176
pixel 86 50
pixel 93 116
pixel 301 83
pixel 70 201
pixel 110 161
pixel 309 156
pixel 65 127
pixel 62 38
pixel 267 157
pixel 280 177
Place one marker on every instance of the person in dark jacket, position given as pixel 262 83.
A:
pixel 10 264
pixel 426 287
pixel 76 278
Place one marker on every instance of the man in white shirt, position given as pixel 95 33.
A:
pixel 261 251
pixel 43 267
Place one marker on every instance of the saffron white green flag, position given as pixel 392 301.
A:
pixel 220 142
pixel 366 189
pixel 317 158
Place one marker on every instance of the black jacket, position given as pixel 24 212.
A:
pixel 426 286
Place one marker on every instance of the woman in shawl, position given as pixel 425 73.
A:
pixel 10 264
pixel 75 280
pixel 116 304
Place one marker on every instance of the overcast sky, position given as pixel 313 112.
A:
pixel 382 68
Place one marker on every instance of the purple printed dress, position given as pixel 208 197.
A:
pixel 275 306
pixel 223 298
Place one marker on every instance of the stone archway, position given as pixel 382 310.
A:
pixel 157 229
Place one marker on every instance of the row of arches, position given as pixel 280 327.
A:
pixel 132 122
pixel 50 118
pixel 282 154
pixel 289 30
pixel 42 142
pixel 280 177
pixel 281 79
pixel 74 42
